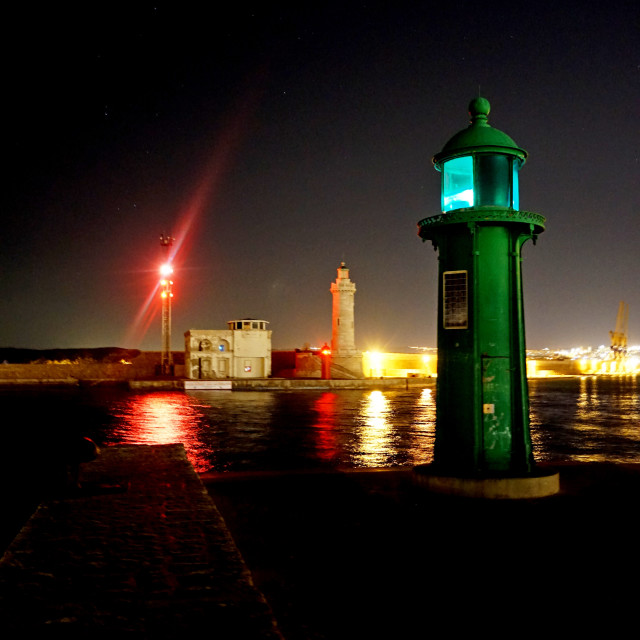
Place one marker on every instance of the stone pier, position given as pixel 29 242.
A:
pixel 139 548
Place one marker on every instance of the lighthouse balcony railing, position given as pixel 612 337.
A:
pixel 490 214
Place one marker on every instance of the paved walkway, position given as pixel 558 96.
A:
pixel 371 554
pixel 142 551
pixel 139 549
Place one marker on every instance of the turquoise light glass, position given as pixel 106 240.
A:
pixel 457 183
pixel 516 186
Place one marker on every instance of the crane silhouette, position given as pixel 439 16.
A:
pixel 619 336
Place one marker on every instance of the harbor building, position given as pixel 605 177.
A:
pixel 243 350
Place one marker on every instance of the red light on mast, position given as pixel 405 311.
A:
pixel 325 351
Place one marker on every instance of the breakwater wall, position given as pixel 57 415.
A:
pixel 75 373
pixel 64 373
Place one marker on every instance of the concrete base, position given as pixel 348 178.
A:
pixel 538 485
pixel 208 384
pixel 346 365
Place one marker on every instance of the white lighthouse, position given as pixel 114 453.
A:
pixel 346 361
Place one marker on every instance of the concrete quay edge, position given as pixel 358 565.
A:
pixel 247 384
pixel 291 384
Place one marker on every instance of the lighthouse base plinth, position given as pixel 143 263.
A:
pixel 539 484
pixel 347 364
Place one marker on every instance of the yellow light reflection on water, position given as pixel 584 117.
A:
pixel 427 401
pixel 588 400
pixel 374 446
pixel 375 411
pixel 587 408
pixel 426 419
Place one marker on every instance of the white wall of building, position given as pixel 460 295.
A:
pixel 241 351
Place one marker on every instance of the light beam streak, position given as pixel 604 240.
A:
pixel 203 198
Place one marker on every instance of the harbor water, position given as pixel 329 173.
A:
pixel 572 420
pixel 589 419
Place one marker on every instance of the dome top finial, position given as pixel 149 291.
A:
pixel 479 109
pixel 479 136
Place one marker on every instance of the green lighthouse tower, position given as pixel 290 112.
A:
pixel 483 445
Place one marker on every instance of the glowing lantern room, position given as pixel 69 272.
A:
pixel 480 165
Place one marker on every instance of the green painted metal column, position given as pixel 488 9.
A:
pixel 482 402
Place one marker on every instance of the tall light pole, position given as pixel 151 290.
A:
pixel 166 284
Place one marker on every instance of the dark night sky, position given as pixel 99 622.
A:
pixel 275 142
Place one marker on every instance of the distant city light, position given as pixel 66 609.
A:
pixel 541 363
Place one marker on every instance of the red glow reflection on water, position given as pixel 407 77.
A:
pixel 163 418
pixel 326 408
